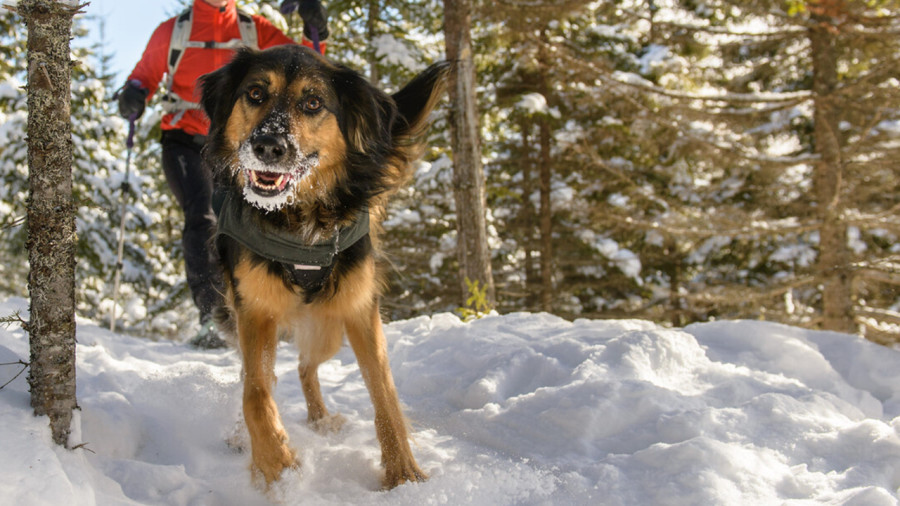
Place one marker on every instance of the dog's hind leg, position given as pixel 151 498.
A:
pixel 367 339
pixel 318 338
pixel 318 416
pixel 268 439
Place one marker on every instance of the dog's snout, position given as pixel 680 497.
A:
pixel 269 148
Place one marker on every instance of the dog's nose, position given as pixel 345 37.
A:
pixel 269 148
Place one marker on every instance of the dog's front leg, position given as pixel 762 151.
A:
pixel 268 439
pixel 367 339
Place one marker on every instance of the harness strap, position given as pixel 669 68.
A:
pixel 237 221
pixel 181 42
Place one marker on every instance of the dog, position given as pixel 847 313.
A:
pixel 306 153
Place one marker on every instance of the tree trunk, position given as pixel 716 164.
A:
pixel 371 33
pixel 527 220
pixel 546 219
pixel 468 175
pixel 834 254
pixel 50 215
pixel 545 173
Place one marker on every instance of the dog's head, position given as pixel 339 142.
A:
pixel 292 129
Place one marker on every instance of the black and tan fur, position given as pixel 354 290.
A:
pixel 283 105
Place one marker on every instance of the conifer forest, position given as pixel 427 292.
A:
pixel 668 160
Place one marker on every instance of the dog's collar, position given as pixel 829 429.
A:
pixel 236 221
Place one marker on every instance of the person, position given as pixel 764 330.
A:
pixel 198 41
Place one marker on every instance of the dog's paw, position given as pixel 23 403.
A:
pixel 327 424
pixel 401 473
pixel 271 463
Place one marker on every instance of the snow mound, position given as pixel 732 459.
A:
pixel 514 409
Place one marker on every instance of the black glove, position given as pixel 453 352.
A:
pixel 132 99
pixel 126 187
pixel 313 14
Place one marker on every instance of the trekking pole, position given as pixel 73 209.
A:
pixel 129 145
pixel 314 33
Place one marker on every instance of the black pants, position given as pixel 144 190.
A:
pixel 191 183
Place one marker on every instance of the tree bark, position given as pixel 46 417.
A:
pixel 468 174
pixel 50 215
pixel 371 32
pixel 834 254
pixel 545 169
pixel 546 219
pixel 527 220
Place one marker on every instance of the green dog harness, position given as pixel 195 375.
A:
pixel 237 221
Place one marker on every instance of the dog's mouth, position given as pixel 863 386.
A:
pixel 269 182
pixel 270 186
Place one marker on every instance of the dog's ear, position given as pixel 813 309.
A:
pixel 366 113
pixel 416 100
pixel 218 90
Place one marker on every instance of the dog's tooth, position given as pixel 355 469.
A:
pixel 278 181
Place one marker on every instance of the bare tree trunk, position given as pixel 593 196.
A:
pixel 371 33
pixel 468 174
pixel 834 254
pixel 546 218
pixel 527 219
pixel 545 169
pixel 51 216
pixel 674 269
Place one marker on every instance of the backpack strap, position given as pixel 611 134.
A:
pixel 181 34
pixel 181 41
pixel 249 36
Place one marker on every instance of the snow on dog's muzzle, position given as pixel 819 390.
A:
pixel 271 165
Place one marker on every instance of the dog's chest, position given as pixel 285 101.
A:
pixel 309 278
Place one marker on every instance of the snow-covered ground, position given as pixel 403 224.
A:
pixel 515 409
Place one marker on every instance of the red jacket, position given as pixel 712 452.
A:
pixel 209 24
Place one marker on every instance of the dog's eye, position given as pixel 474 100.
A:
pixel 312 104
pixel 256 94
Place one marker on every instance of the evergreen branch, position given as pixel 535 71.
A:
pixel 793 97
pixel 14 223
pixel 737 149
pixel 882 266
pixel 791 100
pixel 762 12
pixel 850 22
pixel 766 109
pixel 853 149
pixel 13 318
pixel 738 296
pixel 883 315
pixel 733 228
pixel 19 362
pixel 542 4
pixel 755 229
pixel 881 276
pixel 887 218
pixel 714 30
pixel 744 98
pixel 886 70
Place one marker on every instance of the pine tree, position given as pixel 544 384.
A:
pixel 154 295
pixel 753 128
